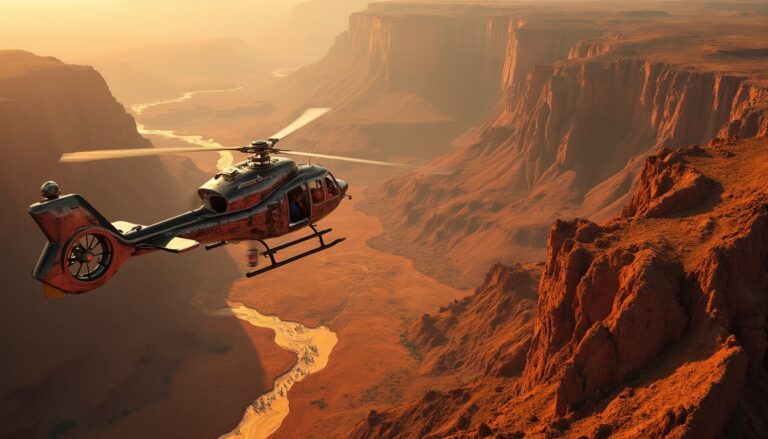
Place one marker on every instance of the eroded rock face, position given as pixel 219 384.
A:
pixel 649 325
pixel 577 113
pixel 499 314
pixel 667 185
pixel 601 314
pixel 620 315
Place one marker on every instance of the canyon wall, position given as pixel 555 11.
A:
pixel 91 364
pixel 405 81
pixel 645 324
pixel 568 142
pixel 541 112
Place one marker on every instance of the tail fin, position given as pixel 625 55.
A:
pixel 83 251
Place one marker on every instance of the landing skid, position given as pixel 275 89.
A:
pixel 274 263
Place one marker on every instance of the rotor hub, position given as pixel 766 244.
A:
pixel 260 151
pixel 81 254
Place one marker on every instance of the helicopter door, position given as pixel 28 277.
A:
pixel 298 206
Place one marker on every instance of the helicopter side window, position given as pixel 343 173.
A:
pixel 318 192
pixel 298 204
pixel 333 190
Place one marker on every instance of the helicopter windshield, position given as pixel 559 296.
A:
pixel 333 188
pixel 318 191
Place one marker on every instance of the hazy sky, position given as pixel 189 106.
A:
pixel 86 28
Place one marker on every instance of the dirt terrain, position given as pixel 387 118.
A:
pixel 652 324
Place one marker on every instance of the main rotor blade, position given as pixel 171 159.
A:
pixel 342 158
pixel 104 154
pixel 308 116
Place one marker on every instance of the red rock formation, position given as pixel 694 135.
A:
pixel 667 185
pixel 654 324
pixel 499 315
pixel 406 79
pixel 602 317
pixel 568 143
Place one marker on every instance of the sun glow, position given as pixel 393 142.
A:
pixel 77 29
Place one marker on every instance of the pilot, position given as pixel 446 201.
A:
pixel 318 196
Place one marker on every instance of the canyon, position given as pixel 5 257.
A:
pixel 521 101
pixel 603 188
pixel 640 322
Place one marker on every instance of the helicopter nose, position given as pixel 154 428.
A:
pixel 343 185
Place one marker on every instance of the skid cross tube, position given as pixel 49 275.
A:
pixel 270 252
pixel 297 241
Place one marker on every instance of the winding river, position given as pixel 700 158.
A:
pixel 312 346
pixel 225 157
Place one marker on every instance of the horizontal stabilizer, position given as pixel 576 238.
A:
pixel 173 245
pixel 124 226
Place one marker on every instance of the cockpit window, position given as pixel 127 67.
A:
pixel 333 189
pixel 318 192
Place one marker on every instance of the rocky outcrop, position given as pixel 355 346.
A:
pixel 667 185
pixel 602 314
pixel 653 324
pixel 500 315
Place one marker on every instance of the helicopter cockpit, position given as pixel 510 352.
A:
pixel 313 198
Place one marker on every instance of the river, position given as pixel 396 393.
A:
pixel 312 346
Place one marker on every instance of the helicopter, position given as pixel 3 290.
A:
pixel 260 198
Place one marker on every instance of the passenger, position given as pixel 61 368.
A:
pixel 318 196
pixel 295 207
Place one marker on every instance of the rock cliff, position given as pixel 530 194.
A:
pixel 561 108
pixel 499 315
pixel 652 324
